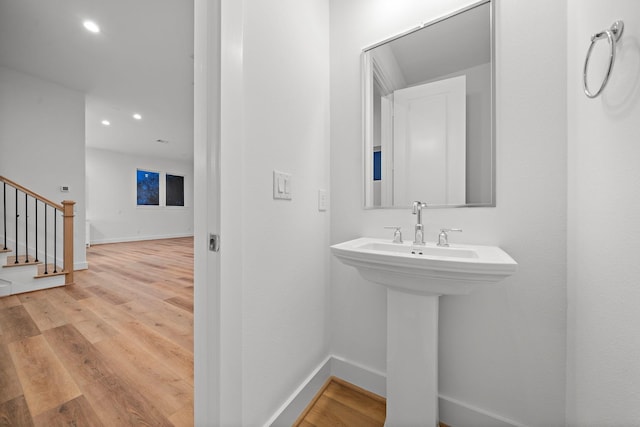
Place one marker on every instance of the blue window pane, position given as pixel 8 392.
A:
pixel 148 188
pixel 377 165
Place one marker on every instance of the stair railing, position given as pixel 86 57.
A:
pixel 65 209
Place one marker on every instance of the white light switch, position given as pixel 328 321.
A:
pixel 281 185
pixel 323 200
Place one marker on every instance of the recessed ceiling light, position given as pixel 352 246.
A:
pixel 106 122
pixel 137 116
pixel 91 26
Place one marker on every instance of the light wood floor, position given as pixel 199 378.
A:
pixel 339 403
pixel 115 349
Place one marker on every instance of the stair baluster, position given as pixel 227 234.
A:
pixel 55 241
pixel 4 208
pixel 35 204
pixel 46 257
pixel 26 228
pixel 17 215
pixel 65 209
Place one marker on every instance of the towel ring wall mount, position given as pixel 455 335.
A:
pixel 612 34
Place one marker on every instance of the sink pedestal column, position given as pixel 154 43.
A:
pixel 412 359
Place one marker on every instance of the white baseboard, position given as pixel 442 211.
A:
pixel 287 414
pixel 80 266
pixel 138 238
pixel 459 414
pixel 452 412
pixel 336 366
pixel 362 376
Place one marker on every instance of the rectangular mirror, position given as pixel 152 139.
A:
pixel 429 114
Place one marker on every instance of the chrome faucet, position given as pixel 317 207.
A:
pixel 443 237
pixel 417 210
pixel 397 233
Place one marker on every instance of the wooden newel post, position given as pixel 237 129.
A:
pixel 68 215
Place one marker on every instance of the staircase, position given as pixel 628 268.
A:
pixel 37 239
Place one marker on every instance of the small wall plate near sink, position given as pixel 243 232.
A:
pixel 428 269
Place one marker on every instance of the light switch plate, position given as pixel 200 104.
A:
pixel 281 185
pixel 323 200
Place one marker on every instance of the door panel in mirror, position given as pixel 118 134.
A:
pixel 446 156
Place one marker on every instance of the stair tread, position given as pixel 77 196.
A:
pixel 50 269
pixel 11 261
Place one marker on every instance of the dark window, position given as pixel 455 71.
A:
pixel 175 190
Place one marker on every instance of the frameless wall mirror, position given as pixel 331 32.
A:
pixel 429 114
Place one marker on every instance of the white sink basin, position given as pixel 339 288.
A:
pixel 415 277
pixel 430 270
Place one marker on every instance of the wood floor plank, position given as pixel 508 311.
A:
pixel 106 295
pixel 72 308
pixel 115 401
pixel 171 286
pixel 10 387
pixel 181 302
pixel 143 304
pixel 340 403
pixel 171 354
pixel 77 292
pixel 174 326
pixel 146 287
pixel 107 280
pixel 30 296
pixel 76 412
pixel 17 324
pixel 112 314
pixel 95 329
pixel 329 412
pixel 117 404
pixel 357 401
pixel 45 381
pixel 184 416
pixel 83 361
pixel 15 413
pixel 165 388
pixel 9 301
pixel 45 314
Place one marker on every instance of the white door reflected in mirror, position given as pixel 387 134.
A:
pixel 429 143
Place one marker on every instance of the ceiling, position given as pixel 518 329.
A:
pixel 437 49
pixel 140 62
pixel 459 42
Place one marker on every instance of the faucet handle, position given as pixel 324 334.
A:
pixel 397 234
pixel 443 237
pixel 417 206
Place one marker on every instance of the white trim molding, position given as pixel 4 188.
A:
pixel 139 238
pixel 452 412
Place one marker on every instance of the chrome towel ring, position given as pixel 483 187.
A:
pixel 612 35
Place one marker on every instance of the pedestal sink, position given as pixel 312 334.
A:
pixel 415 277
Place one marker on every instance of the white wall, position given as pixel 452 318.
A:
pixel 502 350
pixel 42 142
pixel 603 381
pixel 111 198
pixel 274 253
